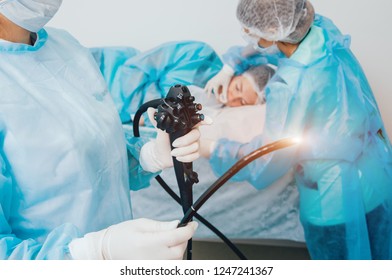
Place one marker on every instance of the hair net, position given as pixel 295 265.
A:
pixel 259 77
pixel 276 20
pixel 29 14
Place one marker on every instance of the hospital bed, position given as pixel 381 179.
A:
pixel 245 215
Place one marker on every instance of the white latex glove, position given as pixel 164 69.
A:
pixel 219 84
pixel 156 154
pixel 207 146
pixel 141 239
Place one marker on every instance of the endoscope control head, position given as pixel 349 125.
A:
pixel 178 111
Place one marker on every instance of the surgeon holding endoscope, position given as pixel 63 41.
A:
pixel 343 168
pixel 65 167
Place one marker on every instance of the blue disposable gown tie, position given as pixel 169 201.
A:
pixel 343 168
pixel 64 169
pixel 134 78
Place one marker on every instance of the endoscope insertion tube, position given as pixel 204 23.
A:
pixel 274 146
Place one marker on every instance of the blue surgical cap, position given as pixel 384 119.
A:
pixel 32 15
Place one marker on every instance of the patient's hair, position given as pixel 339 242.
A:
pixel 259 76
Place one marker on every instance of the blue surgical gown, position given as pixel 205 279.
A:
pixel 135 77
pixel 64 168
pixel 343 167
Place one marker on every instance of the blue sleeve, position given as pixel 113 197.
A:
pixel 281 121
pixel 146 76
pixel 12 246
pixel 111 59
pixel 241 58
pixel 139 179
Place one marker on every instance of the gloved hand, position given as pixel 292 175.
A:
pixel 140 239
pixel 156 155
pixel 207 146
pixel 219 84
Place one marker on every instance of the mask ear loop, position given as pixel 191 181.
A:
pixel 305 12
pixel 304 9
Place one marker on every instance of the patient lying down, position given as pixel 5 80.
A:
pixel 245 101
pixel 247 88
pixel 244 89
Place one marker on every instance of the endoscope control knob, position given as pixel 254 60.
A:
pixel 164 120
pixel 193 176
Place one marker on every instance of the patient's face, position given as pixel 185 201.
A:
pixel 241 92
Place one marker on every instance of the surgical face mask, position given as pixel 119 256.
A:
pixel 250 39
pixel 253 40
pixel 273 49
pixel 32 15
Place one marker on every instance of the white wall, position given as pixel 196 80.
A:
pixel 147 23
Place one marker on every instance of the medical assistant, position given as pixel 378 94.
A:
pixel 64 169
pixel 343 167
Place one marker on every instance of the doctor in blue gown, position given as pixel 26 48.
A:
pixel 343 168
pixel 65 167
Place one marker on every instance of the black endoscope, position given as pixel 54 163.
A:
pixel 177 114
